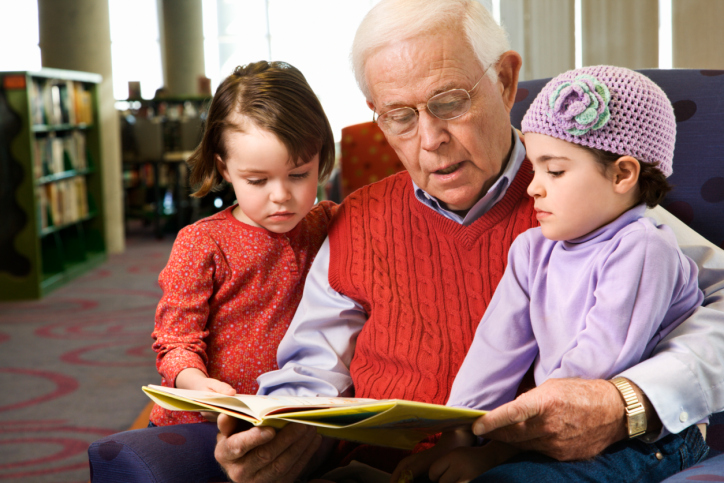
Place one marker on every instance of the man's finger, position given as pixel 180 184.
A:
pixel 514 412
pixel 209 416
pixel 228 425
pixel 302 461
pixel 286 456
pixel 239 444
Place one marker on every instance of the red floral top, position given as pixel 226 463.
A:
pixel 230 291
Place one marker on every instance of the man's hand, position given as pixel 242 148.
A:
pixel 566 419
pixel 263 455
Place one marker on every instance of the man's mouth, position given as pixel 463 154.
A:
pixel 450 169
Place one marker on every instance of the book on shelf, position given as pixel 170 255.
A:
pixel 55 204
pixel 83 103
pixel 55 153
pixel 38 158
pixel 390 422
pixel 81 156
pixel 81 196
pixel 42 195
pixel 55 102
pixel 65 200
pixel 75 150
pixel 51 103
pixel 36 104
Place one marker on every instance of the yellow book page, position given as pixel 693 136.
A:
pixel 173 402
pixel 391 414
pixel 252 405
pixel 392 423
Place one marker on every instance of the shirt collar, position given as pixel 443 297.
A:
pixel 608 231
pixel 494 194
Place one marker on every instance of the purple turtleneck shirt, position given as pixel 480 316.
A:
pixel 590 307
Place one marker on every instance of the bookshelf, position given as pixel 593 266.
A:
pixel 51 221
pixel 158 136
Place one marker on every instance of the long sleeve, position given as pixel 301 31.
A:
pixel 504 346
pixel 684 378
pixel 315 354
pixel 182 313
pixel 644 289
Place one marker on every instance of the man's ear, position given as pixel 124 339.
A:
pixel 221 168
pixel 508 71
pixel 625 172
pixel 371 106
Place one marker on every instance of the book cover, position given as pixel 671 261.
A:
pixel 36 103
pixel 392 422
pixel 83 104
pixel 80 150
pixel 81 196
pixel 55 204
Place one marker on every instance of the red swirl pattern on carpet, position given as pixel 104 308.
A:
pixel 72 365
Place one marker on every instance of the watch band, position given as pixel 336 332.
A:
pixel 635 412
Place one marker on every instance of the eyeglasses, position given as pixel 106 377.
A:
pixel 447 105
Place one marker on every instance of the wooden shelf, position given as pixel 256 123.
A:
pixel 64 175
pixel 40 128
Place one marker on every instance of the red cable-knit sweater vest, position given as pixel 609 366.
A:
pixel 424 280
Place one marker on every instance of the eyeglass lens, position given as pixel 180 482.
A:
pixel 446 106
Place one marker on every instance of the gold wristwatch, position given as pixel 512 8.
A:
pixel 635 412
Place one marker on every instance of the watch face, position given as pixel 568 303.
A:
pixel 636 424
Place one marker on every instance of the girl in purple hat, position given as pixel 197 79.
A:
pixel 590 292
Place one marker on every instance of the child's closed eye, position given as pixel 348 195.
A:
pixel 556 174
pixel 299 175
pixel 255 181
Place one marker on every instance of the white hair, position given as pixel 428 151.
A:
pixel 396 20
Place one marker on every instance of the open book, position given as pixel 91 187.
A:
pixel 389 422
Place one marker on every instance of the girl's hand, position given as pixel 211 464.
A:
pixel 196 380
pixel 464 464
pixel 413 466
pixel 461 465
pixel 418 464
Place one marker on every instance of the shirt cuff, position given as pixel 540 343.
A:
pixel 178 360
pixel 673 390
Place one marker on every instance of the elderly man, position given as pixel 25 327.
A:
pixel 394 296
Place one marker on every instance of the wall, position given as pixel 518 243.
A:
pixel 619 32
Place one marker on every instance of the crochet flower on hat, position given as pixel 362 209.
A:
pixel 580 105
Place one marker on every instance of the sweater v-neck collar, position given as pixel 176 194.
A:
pixel 501 209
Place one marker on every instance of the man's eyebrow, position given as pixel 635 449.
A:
pixel 443 88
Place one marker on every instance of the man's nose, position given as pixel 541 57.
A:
pixel 432 130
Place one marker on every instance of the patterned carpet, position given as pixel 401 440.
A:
pixel 72 365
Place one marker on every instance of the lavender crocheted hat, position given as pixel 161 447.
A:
pixel 609 108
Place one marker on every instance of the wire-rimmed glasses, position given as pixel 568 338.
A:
pixel 445 105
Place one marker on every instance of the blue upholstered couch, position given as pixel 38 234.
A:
pixel 184 453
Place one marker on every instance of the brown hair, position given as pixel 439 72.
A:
pixel 276 97
pixel 652 183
